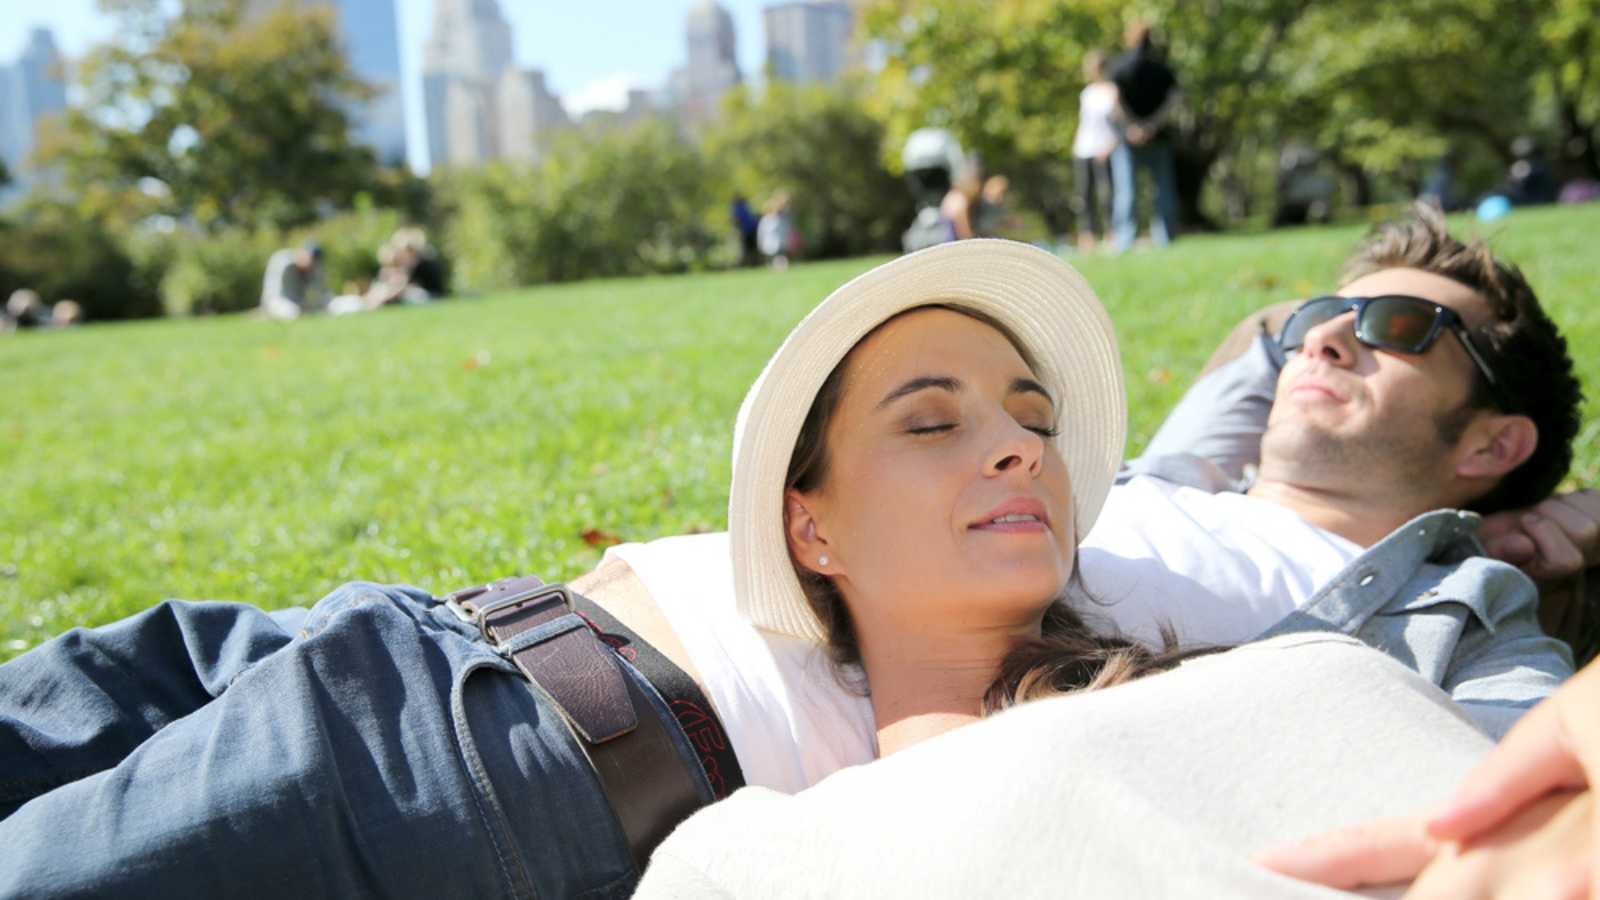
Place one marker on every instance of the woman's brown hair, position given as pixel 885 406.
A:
pixel 1067 656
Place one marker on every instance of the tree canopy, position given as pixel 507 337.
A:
pixel 216 117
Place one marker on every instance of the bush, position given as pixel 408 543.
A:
pixel 820 145
pixel 218 273
pixel 617 203
pixel 350 243
pixel 50 247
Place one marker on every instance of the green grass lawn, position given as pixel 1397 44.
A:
pixel 445 445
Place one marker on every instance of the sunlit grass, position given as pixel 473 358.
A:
pixel 444 445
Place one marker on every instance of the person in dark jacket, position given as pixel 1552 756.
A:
pixel 1147 94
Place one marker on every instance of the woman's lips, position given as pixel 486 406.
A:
pixel 1019 515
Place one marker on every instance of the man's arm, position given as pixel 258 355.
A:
pixel 1222 416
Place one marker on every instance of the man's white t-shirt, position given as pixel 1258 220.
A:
pixel 1219 568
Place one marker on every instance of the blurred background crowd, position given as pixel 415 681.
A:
pixel 228 155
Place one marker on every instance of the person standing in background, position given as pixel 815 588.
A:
pixel 1147 95
pixel 1092 147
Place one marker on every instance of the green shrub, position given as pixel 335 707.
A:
pixel 628 202
pixel 217 273
pixel 50 247
pixel 821 146
pixel 350 243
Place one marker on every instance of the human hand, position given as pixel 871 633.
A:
pixel 1553 751
pixel 1554 747
pixel 1556 539
pixel 1137 134
pixel 1540 852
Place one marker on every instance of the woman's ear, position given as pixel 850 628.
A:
pixel 806 543
pixel 1498 444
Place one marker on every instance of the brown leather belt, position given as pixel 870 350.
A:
pixel 646 780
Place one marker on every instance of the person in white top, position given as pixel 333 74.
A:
pixel 1218 567
pixel 1096 137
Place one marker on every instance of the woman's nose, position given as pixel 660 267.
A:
pixel 1016 448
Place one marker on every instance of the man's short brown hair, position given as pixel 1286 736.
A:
pixel 1521 345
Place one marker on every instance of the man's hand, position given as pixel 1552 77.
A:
pixel 1556 539
pixel 1137 134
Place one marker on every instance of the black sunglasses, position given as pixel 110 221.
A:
pixel 1391 322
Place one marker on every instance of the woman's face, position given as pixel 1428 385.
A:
pixel 945 504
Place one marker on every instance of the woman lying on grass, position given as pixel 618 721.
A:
pixel 930 504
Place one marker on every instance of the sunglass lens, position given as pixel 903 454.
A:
pixel 1398 324
pixel 1310 314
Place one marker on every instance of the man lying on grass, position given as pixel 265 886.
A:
pixel 1431 384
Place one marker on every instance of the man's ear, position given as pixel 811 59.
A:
pixel 809 546
pixel 1496 444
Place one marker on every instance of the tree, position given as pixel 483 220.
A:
pixel 215 117
pixel 1005 77
pixel 624 202
pixel 819 144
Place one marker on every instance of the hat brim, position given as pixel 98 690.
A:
pixel 1043 301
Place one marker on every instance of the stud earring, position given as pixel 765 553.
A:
pixel 822 560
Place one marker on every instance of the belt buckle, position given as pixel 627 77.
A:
pixel 486 613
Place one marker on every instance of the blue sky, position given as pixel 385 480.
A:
pixel 590 50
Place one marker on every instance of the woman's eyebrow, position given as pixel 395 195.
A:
pixel 1029 386
pixel 922 383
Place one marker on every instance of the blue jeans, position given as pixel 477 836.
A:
pixel 373 745
pixel 1126 160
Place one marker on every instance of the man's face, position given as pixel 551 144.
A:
pixel 1345 410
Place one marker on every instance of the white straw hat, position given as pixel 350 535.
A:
pixel 1042 300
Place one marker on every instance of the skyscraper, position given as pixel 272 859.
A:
pixel 371 39
pixel 528 114
pixel 467 52
pixel 31 89
pixel 808 40
pixel 713 67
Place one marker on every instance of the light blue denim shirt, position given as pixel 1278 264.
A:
pixel 1425 594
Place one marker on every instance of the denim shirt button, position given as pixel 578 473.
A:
pixel 1367 578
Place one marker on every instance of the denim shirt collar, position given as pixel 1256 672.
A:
pixel 1379 579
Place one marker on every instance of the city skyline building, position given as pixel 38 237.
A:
pixel 529 115
pixel 370 33
pixel 32 88
pixel 467 52
pixel 479 104
pixel 712 66
pixel 809 41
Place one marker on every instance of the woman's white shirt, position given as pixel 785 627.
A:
pixel 1220 568
pixel 1096 135
pixel 789 718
